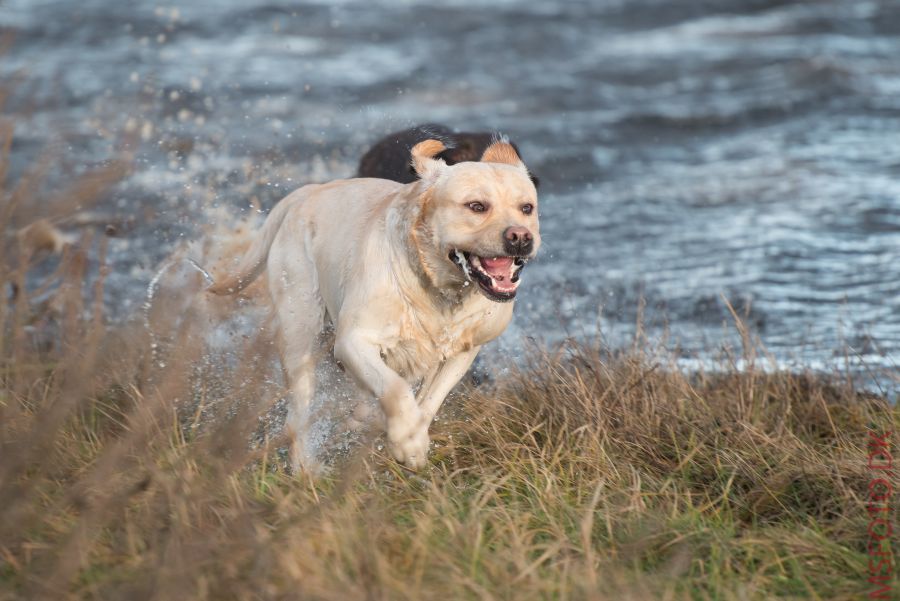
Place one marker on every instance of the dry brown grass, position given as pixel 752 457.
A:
pixel 581 475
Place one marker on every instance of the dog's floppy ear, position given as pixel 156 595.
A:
pixel 502 151
pixel 423 161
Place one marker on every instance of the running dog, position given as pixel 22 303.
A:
pixel 414 278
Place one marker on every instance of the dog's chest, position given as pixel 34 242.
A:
pixel 424 341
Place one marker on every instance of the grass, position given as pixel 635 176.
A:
pixel 580 475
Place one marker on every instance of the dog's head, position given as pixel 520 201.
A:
pixel 478 222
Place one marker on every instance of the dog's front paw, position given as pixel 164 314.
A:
pixel 408 441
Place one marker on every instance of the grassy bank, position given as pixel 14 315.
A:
pixel 579 476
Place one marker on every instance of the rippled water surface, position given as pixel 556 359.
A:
pixel 689 151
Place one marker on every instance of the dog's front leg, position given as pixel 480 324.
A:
pixel 448 375
pixel 407 440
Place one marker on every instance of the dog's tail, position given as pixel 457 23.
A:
pixel 254 261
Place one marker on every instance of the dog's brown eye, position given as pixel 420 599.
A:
pixel 527 209
pixel 477 207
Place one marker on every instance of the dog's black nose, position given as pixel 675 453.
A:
pixel 517 240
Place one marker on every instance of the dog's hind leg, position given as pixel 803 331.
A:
pixel 300 315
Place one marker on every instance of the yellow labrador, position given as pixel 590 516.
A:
pixel 414 277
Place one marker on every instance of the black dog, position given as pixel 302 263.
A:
pixel 390 157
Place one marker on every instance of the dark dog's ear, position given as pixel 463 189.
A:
pixel 423 158
pixel 464 147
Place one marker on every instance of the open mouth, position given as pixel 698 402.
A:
pixel 497 277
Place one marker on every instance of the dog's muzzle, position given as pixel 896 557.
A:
pixel 497 277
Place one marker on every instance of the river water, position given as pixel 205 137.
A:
pixel 690 151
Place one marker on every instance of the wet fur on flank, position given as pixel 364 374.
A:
pixel 389 157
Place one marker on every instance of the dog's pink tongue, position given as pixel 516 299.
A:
pixel 498 266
